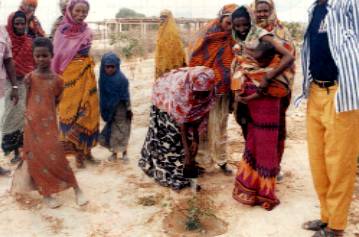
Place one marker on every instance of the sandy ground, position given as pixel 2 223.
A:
pixel 114 190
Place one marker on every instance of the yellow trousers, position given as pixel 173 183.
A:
pixel 333 143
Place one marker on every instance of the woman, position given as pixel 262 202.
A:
pixel 34 26
pixel 7 72
pixel 256 177
pixel 79 106
pixel 266 18
pixel 62 4
pixel 181 103
pixel 13 119
pixel 170 53
pixel 115 107
pixel 213 48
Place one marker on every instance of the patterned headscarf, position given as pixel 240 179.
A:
pixel 70 38
pixel 21 47
pixel 212 47
pixel 174 93
pixel 273 24
pixel 170 53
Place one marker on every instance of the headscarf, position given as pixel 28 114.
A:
pixel 21 47
pixel 170 53
pixel 34 26
pixel 62 5
pixel 174 93
pixel 70 38
pixel 113 89
pixel 32 3
pixel 212 48
pixel 274 26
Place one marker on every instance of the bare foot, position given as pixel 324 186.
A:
pixel 52 202
pixel 81 200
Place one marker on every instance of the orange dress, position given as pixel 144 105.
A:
pixel 47 164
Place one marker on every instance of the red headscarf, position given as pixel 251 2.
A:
pixel 21 47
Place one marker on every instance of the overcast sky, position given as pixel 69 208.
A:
pixel 288 10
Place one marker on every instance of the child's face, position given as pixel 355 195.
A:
pixel 242 26
pixel 226 24
pixel 80 12
pixel 42 57
pixel 19 26
pixel 110 70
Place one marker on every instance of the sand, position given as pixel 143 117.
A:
pixel 124 202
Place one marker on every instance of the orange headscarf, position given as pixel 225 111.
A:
pixel 212 48
pixel 30 2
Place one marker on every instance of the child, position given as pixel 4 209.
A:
pixel 115 107
pixel 44 156
pixel 253 64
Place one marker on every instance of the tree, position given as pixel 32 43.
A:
pixel 129 13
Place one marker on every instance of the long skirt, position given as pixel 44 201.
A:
pixel 162 155
pixel 13 119
pixel 79 107
pixel 116 134
pixel 255 182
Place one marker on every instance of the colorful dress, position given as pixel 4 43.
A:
pixel 255 182
pixel 47 164
pixel 115 104
pixel 163 153
pixel 79 107
pixel 13 119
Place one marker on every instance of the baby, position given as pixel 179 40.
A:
pixel 251 64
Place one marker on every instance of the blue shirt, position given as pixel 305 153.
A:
pixel 322 66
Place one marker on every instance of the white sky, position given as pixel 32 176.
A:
pixel 288 10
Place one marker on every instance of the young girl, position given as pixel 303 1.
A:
pixel 115 106
pixel 44 156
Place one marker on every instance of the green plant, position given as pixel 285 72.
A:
pixel 198 208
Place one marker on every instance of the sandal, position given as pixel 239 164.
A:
pixel 315 225
pixel 329 233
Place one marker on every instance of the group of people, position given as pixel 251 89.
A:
pixel 242 62
pixel 51 80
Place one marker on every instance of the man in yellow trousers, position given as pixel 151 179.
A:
pixel 330 59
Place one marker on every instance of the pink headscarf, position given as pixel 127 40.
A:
pixel 70 38
pixel 174 93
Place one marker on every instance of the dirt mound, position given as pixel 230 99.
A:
pixel 194 218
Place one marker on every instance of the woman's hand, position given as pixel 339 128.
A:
pixel 14 96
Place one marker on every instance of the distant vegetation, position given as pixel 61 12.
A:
pixel 296 29
pixel 129 13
